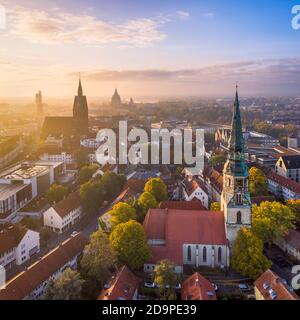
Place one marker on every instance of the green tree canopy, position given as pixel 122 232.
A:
pixel 166 278
pixel 98 258
pixel 247 255
pixel 258 185
pixel 295 206
pixel 113 184
pixel 86 173
pixel 67 286
pixel 120 213
pixel 56 193
pixel 272 221
pixel 91 194
pixel 130 242
pixel 157 188
pixel 145 202
pixel 81 157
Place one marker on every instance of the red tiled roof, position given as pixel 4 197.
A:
pixel 122 287
pixel 270 281
pixel 293 239
pixel 260 199
pixel 192 185
pixel 135 185
pixel 11 237
pixel 124 196
pixel 196 287
pixel 70 203
pixel 284 182
pixel 25 282
pixel 195 204
pixel 178 227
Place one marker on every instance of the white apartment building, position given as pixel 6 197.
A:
pixel 195 189
pixel 61 216
pixel 31 284
pixel 17 246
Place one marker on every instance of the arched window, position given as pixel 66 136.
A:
pixel 204 254
pixel 219 254
pixel 189 253
pixel 239 218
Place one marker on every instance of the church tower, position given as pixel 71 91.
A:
pixel 235 199
pixel 80 112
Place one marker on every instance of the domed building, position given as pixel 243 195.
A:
pixel 116 100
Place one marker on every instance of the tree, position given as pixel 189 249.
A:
pixel 67 286
pixel 247 254
pixel 258 185
pixel 272 221
pixel 157 188
pixel 215 206
pixel 91 194
pixel 86 173
pixel 81 157
pixel 120 213
pixel 98 258
pixel 165 278
pixel 56 193
pixel 295 206
pixel 113 184
pixel 130 242
pixel 145 202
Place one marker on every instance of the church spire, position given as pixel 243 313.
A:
pixel 80 93
pixel 236 141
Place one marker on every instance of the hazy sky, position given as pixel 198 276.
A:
pixel 149 48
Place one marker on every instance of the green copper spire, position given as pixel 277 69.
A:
pixel 235 164
pixel 236 141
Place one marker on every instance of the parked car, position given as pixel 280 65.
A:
pixel 150 285
pixel 244 287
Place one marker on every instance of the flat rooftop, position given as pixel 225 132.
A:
pixel 24 172
pixel 6 190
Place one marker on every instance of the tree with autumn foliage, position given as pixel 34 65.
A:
pixel 247 254
pixel 258 185
pixel 272 221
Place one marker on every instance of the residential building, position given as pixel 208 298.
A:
pixel 269 286
pixel 17 245
pixel 193 188
pixel 122 286
pixel 196 287
pixel 64 214
pixel 32 282
pixel 289 167
pixel 283 187
pixel 291 245
pixel 10 149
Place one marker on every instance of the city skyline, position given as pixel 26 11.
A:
pixel 149 48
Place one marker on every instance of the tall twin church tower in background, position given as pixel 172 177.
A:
pixel 235 199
